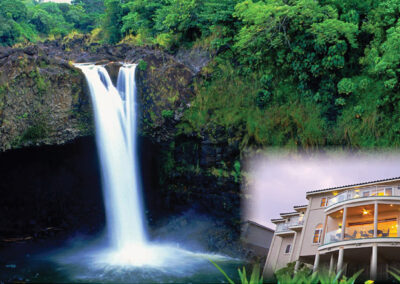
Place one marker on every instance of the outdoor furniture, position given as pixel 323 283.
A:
pixel 353 236
pixel 334 239
pixel 386 234
pixel 378 232
pixel 363 234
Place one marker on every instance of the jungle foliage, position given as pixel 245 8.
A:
pixel 29 20
pixel 294 73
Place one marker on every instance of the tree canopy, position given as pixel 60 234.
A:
pixel 299 73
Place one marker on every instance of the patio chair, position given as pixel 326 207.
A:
pixel 364 234
pixel 386 234
pixel 353 236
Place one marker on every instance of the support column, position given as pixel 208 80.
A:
pixel 340 260
pixel 293 247
pixel 376 220
pixel 332 263
pixel 343 223
pixel 374 262
pixel 297 266
pixel 316 262
pixel 324 230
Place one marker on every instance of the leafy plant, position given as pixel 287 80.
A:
pixel 142 65
pixel 255 277
pixel 167 113
pixel 395 273
pixel 331 278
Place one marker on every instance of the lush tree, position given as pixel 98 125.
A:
pixel 113 21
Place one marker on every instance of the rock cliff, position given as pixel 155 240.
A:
pixel 44 100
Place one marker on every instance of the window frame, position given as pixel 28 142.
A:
pixel 319 230
pixel 286 249
pixel 366 193
pixel 324 202
pixel 388 189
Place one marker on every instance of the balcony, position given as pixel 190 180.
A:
pixel 293 224
pixel 363 193
pixel 362 222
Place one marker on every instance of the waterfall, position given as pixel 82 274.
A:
pixel 115 118
pixel 115 114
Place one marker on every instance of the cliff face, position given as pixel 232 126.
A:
pixel 41 100
pixel 44 100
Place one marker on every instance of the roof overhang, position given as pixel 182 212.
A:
pixel 332 189
pixel 300 208
pixel 289 214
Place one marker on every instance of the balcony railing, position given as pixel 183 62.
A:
pixel 385 228
pixel 283 227
pixel 365 192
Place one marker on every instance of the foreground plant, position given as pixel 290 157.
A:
pixel 255 277
pixel 302 276
pixel 395 273
pixel 331 278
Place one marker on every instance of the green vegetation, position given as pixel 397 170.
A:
pixel 255 277
pixel 28 20
pixel 142 65
pixel 167 113
pixel 302 74
pixel 286 275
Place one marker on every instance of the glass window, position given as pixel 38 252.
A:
pixel 288 247
pixel 388 191
pixel 324 201
pixel 317 234
pixel 365 194
pixel 387 227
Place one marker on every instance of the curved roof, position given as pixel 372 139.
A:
pixel 351 185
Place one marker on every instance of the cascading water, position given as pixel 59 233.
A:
pixel 115 117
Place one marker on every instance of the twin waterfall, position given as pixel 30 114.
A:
pixel 115 118
pixel 115 113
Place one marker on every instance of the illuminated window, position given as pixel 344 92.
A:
pixel 317 234
pixel 324 201
pixel 288 248
pixel 388 191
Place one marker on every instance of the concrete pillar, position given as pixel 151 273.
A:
pixel 343 223
pixel 340 260
pixel 376 220
pixel 293 247
pixel 297 266
pixel 332 263
pixel 316 262
pixel 324 230
pixel 374 262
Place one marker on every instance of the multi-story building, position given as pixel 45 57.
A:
pixel 345 228
pixel 256 240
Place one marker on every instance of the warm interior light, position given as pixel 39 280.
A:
pixel 357 190
pixel 365 212
pixel 391 205
pixel 341 211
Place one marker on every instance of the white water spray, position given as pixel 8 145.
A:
pixel 115 114
pixel 115 118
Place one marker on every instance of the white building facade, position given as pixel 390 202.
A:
pixel 344 229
